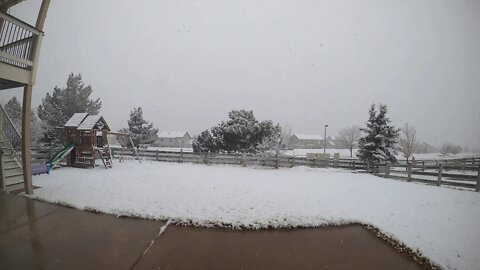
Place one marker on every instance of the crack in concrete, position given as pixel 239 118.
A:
pixel 160 232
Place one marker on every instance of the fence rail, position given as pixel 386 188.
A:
pixel 462 172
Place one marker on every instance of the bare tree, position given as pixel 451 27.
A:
pixel 407 140
pixel 349 136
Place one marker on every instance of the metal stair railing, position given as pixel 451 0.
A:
pixel 11 137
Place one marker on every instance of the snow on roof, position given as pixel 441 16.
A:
pixel 309 137
pixel 90 122
pixel 76 119
pixel 171 134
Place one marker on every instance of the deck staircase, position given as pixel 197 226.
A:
pixel 11 172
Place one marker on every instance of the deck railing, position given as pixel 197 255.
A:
pixel 10 135
pixel 18 42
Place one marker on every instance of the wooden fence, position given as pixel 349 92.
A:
pixel 462 172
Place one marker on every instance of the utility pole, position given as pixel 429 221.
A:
pixel 325 140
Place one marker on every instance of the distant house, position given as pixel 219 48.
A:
pixel 305 141
pixel 177 139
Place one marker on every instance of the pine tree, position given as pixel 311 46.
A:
pixel 379 144
pixel 240 133
pixel 62 104
pixel 141 131
pixel 205 142
pixel 14 110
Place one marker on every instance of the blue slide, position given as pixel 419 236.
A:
pixel 59 156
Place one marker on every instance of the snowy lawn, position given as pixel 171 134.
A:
pixel 443 223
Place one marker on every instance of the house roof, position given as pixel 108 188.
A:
pixel 84 121
pixel 171 134
pixel 308 136
pixel 93 121
pixel 76 120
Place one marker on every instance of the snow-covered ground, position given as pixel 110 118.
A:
pixel 442 223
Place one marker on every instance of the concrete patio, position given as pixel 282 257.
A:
pixel 37 235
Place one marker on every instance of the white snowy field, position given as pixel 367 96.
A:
pixel 442 223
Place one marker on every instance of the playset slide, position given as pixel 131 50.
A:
pixel 46 168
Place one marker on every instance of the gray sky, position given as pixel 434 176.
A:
pixel 300 63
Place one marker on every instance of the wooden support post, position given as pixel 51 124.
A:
pixel 354 165
pixel 134 149
pixel 440 169
pixel 387 169
pixel 477 188
pixel 409 172
pixel 156 155
pixel 181 155
pixel 368 166
pixel 293 161
pixel 26 155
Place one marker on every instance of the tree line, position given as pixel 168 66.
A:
pixel 378 141
pixel 59 106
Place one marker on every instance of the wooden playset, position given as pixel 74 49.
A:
pixel 87 136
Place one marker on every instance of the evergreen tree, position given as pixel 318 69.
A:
pixel 378 144
pixel 62 104
pixel 205 142
pixel 141 131
pixel 14 110
pixel 241 133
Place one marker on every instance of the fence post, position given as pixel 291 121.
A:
pixel 423 165
pixel 387 169
pixel 409 172
pixel 368 166
pixel 242 160
pixel 477 188
pixel 181 155
pixel 354 165
pixel 156 155
pixel 439 181
pixel 293 161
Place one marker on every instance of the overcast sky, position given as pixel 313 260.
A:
pixel 300 63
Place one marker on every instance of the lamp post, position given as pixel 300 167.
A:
pixel 325 140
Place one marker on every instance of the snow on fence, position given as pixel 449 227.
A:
pixel 463 172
